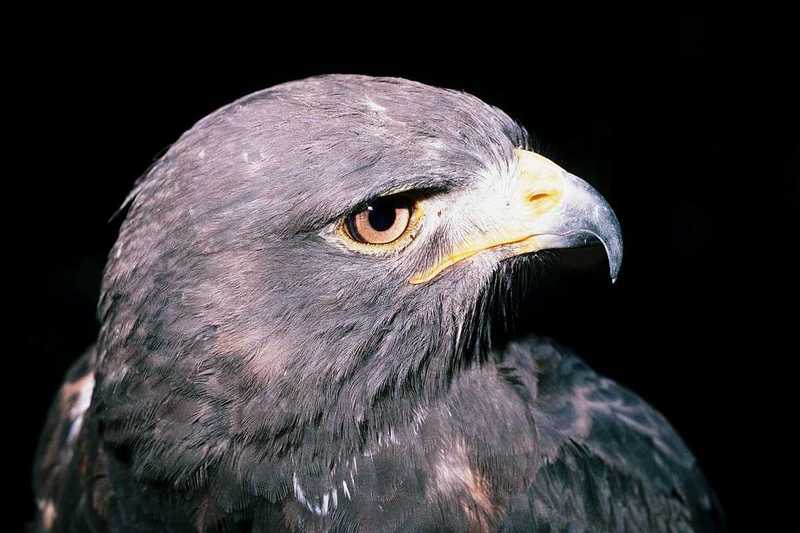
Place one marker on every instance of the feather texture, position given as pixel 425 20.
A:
pixel 254 374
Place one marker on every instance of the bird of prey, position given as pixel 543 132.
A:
pixel 305 326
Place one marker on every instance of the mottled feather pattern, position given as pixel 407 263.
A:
pixel 64 472
pixel 610 461
pixel 454 466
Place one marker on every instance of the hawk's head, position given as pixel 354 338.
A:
pixel 316 255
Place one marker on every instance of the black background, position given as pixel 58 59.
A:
pixel 688 126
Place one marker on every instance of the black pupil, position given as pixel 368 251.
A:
pixel 382 215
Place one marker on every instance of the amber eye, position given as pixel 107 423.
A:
pixel 382 221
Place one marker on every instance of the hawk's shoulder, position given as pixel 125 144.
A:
pixel 610 461
pixel 68 481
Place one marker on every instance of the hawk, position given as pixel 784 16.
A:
pixel 307 324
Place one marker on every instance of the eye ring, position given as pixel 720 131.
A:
pixel 385 224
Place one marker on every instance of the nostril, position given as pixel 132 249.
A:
pixel 538 196
pixel 543 201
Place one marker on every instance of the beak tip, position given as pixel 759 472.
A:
pixel 614 264
pixel 614 256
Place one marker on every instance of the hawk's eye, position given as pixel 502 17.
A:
pixel 382 221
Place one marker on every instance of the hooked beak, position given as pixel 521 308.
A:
pixel 545 208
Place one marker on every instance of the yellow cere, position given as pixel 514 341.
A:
pixel 536 190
